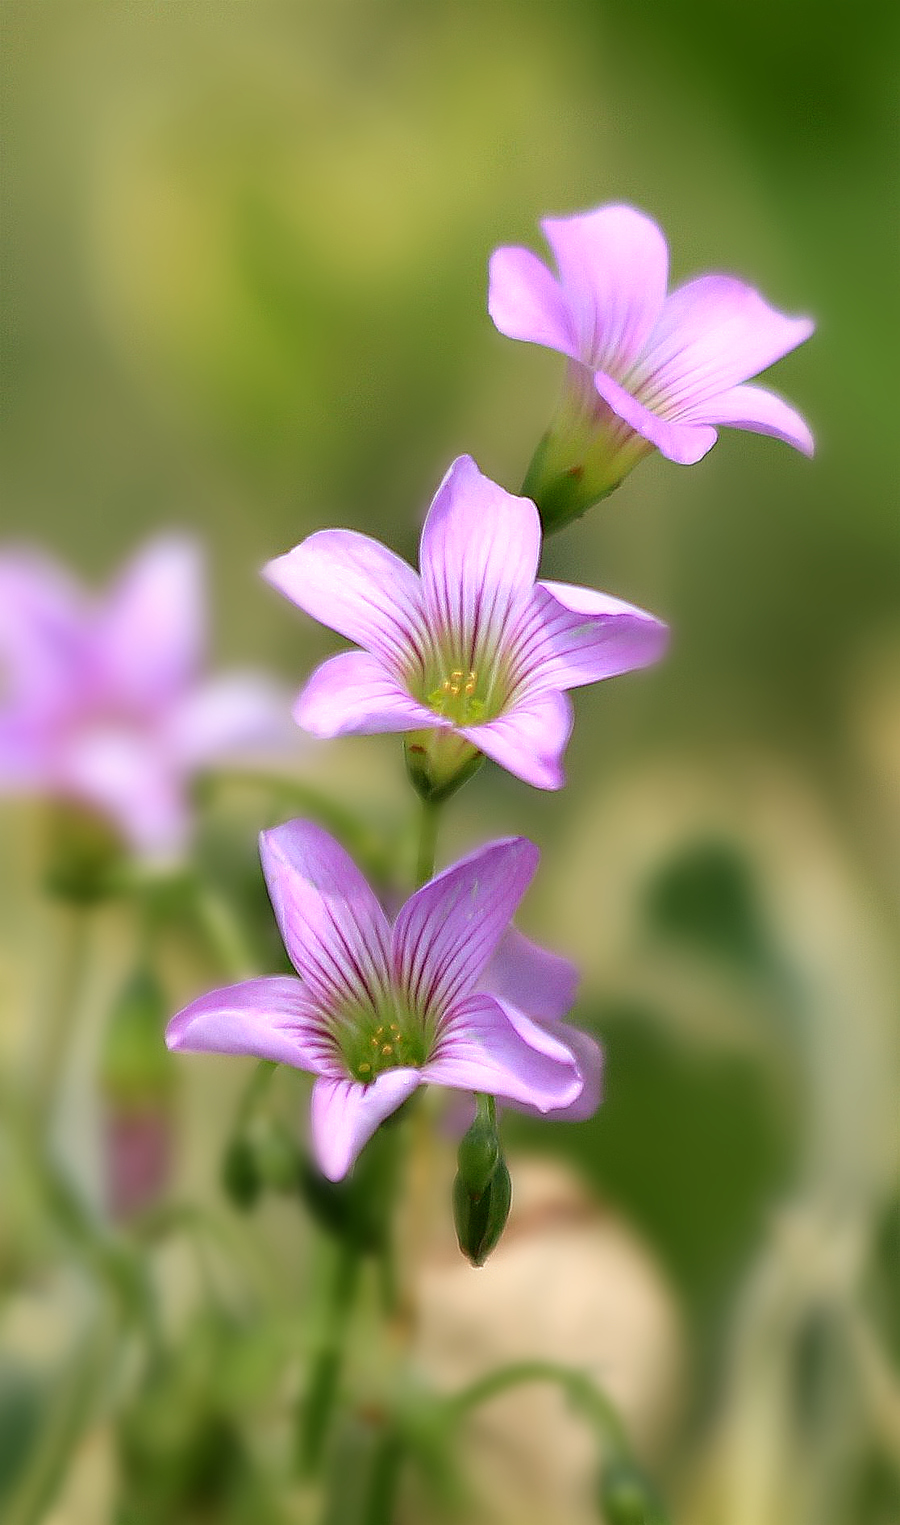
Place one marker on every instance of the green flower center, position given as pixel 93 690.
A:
pixel 372 1041
pixel 458 698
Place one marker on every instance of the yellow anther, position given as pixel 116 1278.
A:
pixel 471 683
pixel 387 1048
pixel 364 1068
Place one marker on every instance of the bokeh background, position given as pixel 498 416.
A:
pixel 244 250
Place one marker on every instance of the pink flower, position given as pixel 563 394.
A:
pixel 645 369
pixel 379 1010
pixel 472 651
pixel 103 703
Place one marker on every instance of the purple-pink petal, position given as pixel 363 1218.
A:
pixel 525 302
pixel 589 1059
pixel 713 332
pixel 530 739
pixel 613 265
pixel 229 717
pixel 582 636
pixel 129 778
pixel 149 635
pixel 479 558
pixel 485 1045
pixel 359 588
pixel 354 693
pixel 759 410
pixel 43 616
pixel 345 1114
pixel 271 1018
pixel 540 983
pixel 684 443
pixel 448 930
pixel 332 925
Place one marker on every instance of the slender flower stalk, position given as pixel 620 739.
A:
pixel 380 1010
pixel 103 702
pixel 471 656
pixel 645 370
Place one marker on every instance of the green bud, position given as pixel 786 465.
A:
pixel 439 762
pixel 479 1150
pixel 480 1220
pixel 275 1154
pixel 627 1497
pixel 240 1174
pixel 135 1065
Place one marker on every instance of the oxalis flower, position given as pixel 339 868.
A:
pixel 103 701
pixel 471 656
pixel 646 370
pixel 379 1010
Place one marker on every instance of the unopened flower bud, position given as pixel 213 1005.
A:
pixel 241 1179
pixel 137 1077
pixel 479 1150
pixel 480 1220
pixel 276 1154
pixel 439 762
pixel 627 1497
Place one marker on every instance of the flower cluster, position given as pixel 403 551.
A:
pixel 471 657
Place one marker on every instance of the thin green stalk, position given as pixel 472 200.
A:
pixel 224 934
pixel 428 831
pixel 384 1481
pixel 321 1395
pixel 583 1393
pixel 62 1010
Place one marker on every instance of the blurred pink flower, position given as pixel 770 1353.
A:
pixel 380 1010
pixel 472 645
pixel 102 700
pixel 645 369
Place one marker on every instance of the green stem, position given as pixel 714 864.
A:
pixel 582 1392
pixel 224 934
pixel 319 1404
pixel 384 1481
pixel 62 1010
pixel 68 1416
pixel 428 831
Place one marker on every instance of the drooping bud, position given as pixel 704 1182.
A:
pixel 480 1221
pixel 627 1497
pixel 482 1190
pixel 439 761
pixel 137 1078
pixel 261 1153
pixel 239 1175
pixel 479 1150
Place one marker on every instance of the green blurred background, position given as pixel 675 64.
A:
pixel 244 251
